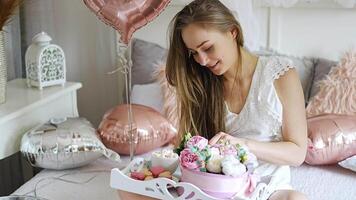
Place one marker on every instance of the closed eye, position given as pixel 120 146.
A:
pixel 194 53
pixel 209 49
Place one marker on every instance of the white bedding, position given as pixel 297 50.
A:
pixel 325 182
pixel 97 188
pixel 92 182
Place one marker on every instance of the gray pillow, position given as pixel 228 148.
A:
pixel 146 56
pixel 321 69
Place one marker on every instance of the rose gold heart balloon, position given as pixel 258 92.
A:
pixel 153 130
pixel 126 16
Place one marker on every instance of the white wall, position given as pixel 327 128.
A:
pixel 316 32
pixel 89 46
pixel 156 30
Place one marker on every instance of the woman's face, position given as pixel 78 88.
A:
pixel 211 48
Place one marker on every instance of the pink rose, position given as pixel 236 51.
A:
pixel 215 150
pixel 198 142
pixel 189 159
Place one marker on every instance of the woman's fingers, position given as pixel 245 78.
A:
pixel 216 138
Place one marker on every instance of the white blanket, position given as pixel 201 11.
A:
pixel 92 182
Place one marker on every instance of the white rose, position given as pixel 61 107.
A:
pixel 214 164
pixel 231 166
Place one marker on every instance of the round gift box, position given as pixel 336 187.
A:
pixel 215 185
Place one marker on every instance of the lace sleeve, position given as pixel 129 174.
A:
pixel 278 66
pixel 274 67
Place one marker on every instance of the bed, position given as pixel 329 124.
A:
pixel 305 32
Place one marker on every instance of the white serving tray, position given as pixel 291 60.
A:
pixel 157 188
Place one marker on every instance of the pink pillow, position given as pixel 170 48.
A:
pixel 153 130
pixel 337 93
pixel 331 138
pixel 170 110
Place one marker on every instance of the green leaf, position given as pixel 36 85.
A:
pixel 183 143
pixel 203 169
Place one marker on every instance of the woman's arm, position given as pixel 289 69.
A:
pixel 292 150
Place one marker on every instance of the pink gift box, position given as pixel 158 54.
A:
pixel 216 185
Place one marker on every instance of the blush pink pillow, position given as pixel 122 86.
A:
pixel 170 110
pixel 331 138
pixel 337 93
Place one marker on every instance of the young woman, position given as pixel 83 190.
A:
pixel 227 93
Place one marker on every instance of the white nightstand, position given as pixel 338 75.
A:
pixel 27 107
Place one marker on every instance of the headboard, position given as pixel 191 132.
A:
pixel 321 28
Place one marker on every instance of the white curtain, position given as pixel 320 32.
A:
pixel 13 47
pixel 89 46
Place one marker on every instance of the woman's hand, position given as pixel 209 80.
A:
pixel 222 137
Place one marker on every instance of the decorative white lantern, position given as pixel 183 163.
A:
pixel 45 62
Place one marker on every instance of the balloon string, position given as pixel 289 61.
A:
pixel 125 66
pixel 128 98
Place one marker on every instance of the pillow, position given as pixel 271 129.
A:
pixel 170 110
pixel 338 90
pixel 148 95
pixel 63 143
pixel 349 163
pixel 153 130
pixel 331 138
pixel 321 69
pixel 304 67
pixel 146 56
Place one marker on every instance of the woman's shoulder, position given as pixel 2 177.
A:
pixel 275 66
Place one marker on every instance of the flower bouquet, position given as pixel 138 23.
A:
pixel 222 170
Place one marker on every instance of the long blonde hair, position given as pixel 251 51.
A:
pixel 200 93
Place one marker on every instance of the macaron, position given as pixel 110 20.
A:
pixel 156 170
pixel 165 174
pixel 137 175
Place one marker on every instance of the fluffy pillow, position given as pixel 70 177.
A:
pixel 148 95
pixel 170 110
pixel 331 138
pixel 153 130
pixel 321 69
pixel 338 90
pixel 349 163
pixel 146 56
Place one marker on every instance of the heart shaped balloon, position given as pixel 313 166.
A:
pixel 126 16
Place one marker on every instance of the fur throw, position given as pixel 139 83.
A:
pixel 337 93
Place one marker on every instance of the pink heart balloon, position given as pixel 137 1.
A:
pixel 126 16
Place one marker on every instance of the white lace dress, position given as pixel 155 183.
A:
pixel 261 119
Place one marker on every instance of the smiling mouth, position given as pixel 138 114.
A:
pixel 212 67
